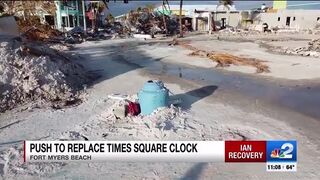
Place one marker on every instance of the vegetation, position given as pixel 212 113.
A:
pixel 226 2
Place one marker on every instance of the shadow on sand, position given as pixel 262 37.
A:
pixel 194 172
pixel 195 95
pixel 108 61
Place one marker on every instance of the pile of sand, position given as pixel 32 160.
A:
pixel 33 72
pixel 12 165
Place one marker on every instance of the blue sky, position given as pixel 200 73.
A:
pixel 118 7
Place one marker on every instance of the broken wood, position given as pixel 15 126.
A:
pixel 225 59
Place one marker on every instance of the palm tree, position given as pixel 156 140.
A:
pixel 180 18
pixel 226 2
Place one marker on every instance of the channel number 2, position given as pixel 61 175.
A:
pixel 288 147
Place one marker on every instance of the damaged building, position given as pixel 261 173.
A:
pixel 69 14
pixel 287 19
pixel 198 16
pixel 217 19
pixel 276 17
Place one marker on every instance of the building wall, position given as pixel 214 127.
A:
pixel 74 10
pixel 304 19
pixel 299 19
pixel 188 10
pixel 232 18
pixel 202 21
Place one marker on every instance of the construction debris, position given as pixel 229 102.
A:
pixel 33 30
pixel 30 72
pixel 312 49
pixel 225 59
pixel 148 22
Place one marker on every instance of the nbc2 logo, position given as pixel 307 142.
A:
pixel 282 151
pixel 285 152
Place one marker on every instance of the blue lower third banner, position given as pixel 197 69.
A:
pixel 281 155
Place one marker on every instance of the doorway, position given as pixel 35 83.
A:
pixel 223 23
pixel 288 21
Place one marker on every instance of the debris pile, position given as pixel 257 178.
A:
pixel 312 49
pixel 148 22
pixel 30 71
pixel 225 59
pixel 231 31
pixel 314 45
pixel 32 29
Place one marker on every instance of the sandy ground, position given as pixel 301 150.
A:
pixel 281 66
pixel 217 105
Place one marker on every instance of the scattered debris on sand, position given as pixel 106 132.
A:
pixel 33 71
pixel 164 123
pixel 225 59
pixel 312 49
pixel 12 165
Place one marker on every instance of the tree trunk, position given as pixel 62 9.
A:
pixel 180 18
pixel 164 17
pixel 165 23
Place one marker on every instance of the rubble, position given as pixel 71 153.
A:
pixel 231 31
pixel 33 30
pixel 30 72
pixel 147 22
pixel 312 49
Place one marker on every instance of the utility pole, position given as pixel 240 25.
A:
pixel 164 16
pixel 84 17
pixel 180 18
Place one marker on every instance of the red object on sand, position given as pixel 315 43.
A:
pixel 134 108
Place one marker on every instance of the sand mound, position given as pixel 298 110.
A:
pixel 29 74
pixel 12 165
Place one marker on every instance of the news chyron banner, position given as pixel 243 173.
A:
pixel 277 155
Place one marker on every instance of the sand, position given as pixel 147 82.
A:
pixel 209 112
